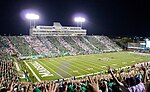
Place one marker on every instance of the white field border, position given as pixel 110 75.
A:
pixel 144 54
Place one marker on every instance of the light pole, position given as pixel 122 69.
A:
pixel 30 17
pixel 79 20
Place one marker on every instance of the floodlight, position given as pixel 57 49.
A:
pixel 32 16
pixel 79 19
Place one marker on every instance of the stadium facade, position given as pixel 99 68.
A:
pixel 56 30
pixel 140 45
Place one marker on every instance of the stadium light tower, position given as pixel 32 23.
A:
pixel 79 20
pixel 33 17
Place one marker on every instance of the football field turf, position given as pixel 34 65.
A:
pixel 68 66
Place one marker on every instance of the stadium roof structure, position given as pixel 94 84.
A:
pixel 56 30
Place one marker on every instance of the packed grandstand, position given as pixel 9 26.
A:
pixel 56 45
pixel 14 49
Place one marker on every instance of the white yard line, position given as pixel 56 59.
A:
pixel 79 67
pixel 18 69
pixel 97 64
pixel 114 64
pixel 89 65
pixel 67 67
pixel 32 71
pixel 103 66
pixel 60 69
pixel 124 62
pixel 52 70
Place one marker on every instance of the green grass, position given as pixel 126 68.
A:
pixel 64 66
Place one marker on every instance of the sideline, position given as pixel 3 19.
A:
pixel 32 71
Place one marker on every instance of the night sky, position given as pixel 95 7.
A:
pixel 103 17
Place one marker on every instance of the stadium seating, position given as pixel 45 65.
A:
pixel 22 46
pixel 108 43
pixel 7 46
pixel 96 43
pixel 57 46
pixel 72 50
pixel 36 44
pixel 48 44
pixel 82 45
pixel 86 42
pixel 69 40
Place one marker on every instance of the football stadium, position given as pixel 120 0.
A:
pixel 57 53
pixel 104 52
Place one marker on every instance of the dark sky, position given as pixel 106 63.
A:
pixel 107 17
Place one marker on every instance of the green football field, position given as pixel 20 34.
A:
pixel 68 66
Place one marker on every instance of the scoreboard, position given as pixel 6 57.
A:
pixel 147 43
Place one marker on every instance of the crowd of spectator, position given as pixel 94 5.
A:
pixel 55 43
pixel 22 46
pixel 48 44
pixel 72 50
pixel 133 78
pixel 82 45
pixel 7 74
pixel 27 45
pixel 70 41
pixel 6 44
pixel 108 43
pixel 36 44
